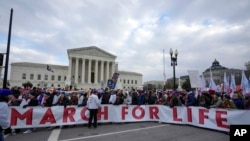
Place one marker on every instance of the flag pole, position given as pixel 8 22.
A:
pixel 164 74
pixel 8 52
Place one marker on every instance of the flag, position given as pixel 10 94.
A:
pixel 203 82
pixel 212 85
pixel 226 83
pixel 244 83
pixel 49 69
pixel 233 84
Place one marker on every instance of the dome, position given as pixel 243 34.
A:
pixel 216 65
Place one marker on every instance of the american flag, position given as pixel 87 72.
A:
pixel 49 69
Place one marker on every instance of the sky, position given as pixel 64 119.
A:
pixel 139 32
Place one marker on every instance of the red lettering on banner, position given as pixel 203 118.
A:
pixel 72 114
pixel 124 112
pixel 28 115
pixel 69 113
pixel 220 120
pixel 139 116
pixel 83 116
pixel 104 113
pixel 153 112
pixel 202 115
pixel 189 114
pixel 175 115
pixel 48 117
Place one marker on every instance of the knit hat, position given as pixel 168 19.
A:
pixel 211 91
pixel 5 92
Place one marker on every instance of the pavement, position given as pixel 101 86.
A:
pixel 136 131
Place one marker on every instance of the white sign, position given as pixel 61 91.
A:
pixel 194 78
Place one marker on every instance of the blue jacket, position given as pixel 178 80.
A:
pixel 239 103
pixel 191 99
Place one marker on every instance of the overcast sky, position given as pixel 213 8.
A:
pixel 136 31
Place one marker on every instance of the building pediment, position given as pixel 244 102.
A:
pixel 91 51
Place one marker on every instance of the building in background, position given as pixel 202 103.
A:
pixel 89 67
pixel 38 74
pixel 218 73
pixel 129 80
pixel 154 84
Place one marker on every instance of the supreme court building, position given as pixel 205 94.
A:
pixel 89 67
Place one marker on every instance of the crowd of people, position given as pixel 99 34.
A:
pixel 48 97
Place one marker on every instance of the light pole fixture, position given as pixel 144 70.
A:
pixel 173 56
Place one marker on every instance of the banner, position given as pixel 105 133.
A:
pixel 217 119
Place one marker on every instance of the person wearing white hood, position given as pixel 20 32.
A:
pixel 4 116
pixel 93 104
pixel 112 97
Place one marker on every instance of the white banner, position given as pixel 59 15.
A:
pixel 217 119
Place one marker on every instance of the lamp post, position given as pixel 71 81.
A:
pixel 173 56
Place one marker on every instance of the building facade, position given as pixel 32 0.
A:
pixel 129 80
pixel 89 67
pixel 218 73
pixel 37 74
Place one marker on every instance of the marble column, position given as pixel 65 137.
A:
pixel 107 71
pixel 89 71
pixel 76 71
pixel 102 69
pixel 112 68
pixel 69 77
pixel 96 72
pixel 83 70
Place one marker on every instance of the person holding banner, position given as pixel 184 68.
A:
pixel 32 101
pixel 190 99
pixel 247 102
pixel 4 116
pixel 93 104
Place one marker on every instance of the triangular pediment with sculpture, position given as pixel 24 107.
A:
pixel 92 51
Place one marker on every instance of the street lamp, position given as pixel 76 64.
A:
pixel 173 63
